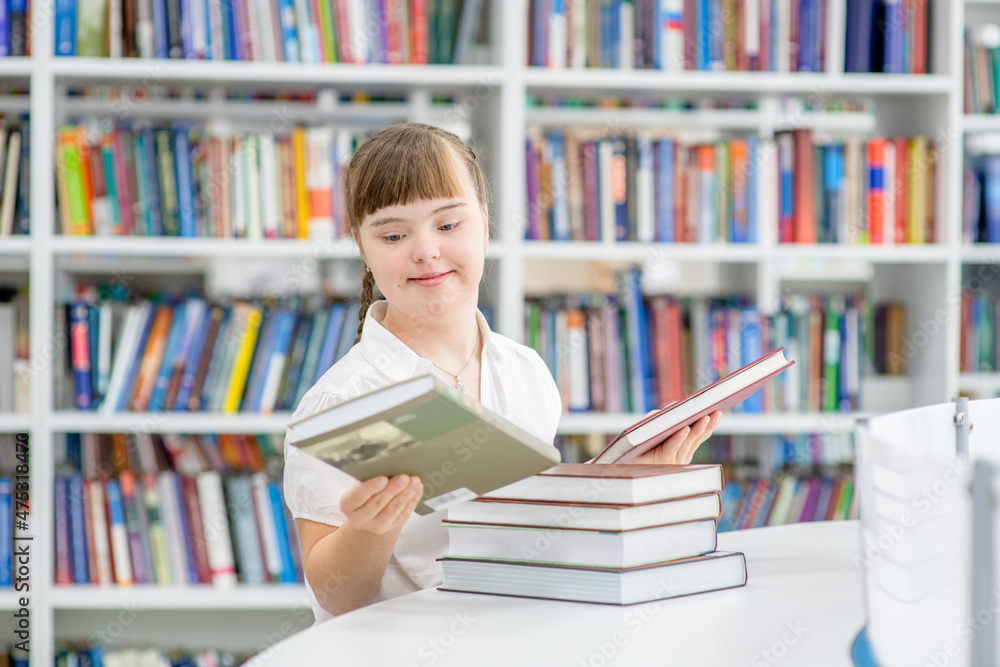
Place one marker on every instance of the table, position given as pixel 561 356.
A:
pixel 802 605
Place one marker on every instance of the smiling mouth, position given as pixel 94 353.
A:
pixel 431 277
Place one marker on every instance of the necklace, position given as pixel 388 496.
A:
pixel 458 380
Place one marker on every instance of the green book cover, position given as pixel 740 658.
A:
pixel 424 427
pixel 168 183
pixel 325 24
pixel 831 354
pixel 724 194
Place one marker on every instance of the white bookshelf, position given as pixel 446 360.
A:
pixel 494 98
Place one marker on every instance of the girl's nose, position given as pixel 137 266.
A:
pixel 426 246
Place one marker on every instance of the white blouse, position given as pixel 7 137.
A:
pixel 514 382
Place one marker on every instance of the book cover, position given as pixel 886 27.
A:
pixel 720 395
pixel 412 428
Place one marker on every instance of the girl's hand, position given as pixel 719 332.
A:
pixel 382 505
pixel 680 447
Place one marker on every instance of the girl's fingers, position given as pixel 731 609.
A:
pixel 377 502
pixel 360 493
pixel 406 503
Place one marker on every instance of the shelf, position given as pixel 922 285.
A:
pixel 237 74
pixel 762 424
pixel 180 598
pixel 9 599
pixel 985 385
pixel 168 422
pixel 14 251
pixel 13 69
pixel 14 423
pixel 585 82
pixel 981 122
pixel 609 119
pixel 630 251
pixel 981 253
pixel 277 114
pixel 933 253
pixel 136 246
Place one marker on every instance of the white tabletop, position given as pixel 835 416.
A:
pixel 802 605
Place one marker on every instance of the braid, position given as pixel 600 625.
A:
pixel 367 299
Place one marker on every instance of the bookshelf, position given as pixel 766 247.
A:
pixel 493 100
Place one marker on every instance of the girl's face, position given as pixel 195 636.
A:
pixel 427 256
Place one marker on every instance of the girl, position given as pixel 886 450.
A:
pixel 417 208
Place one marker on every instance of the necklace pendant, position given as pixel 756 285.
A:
pixel 459 386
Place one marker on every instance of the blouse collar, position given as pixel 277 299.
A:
pixel 391 356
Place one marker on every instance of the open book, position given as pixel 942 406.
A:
pixel 722 394
pixel 423 426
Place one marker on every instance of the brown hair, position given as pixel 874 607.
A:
pixel 401 164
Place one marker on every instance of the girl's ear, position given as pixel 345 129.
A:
pixel 354 233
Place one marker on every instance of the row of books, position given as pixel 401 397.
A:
pixel 15 31
pixel 14 197
pixel 677 35
pixel 607 534
pixel 97 656
pixel 890 36
pixel 307 31
pixel 755 503
pixel 583 185
pixel 979 344
pixel 626 354
pixel 192 510
pixel 982 69
pixel 204 182
pixel 586 186
pixel 198 356
pixel 14 352
pixel 877 190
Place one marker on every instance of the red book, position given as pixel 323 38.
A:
pixel 918 10
pixel 876 189
pixel 192 509
pixel 661 346
pixel 722 394
pixel 342 27
pixel 675 353
pixel 804 207
pixel 418 32
pixel 831 507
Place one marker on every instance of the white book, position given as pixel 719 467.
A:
pixel 105 324
pixel 114 22
pixel 251 179
pixel 557 37
pixel 269 50
pixel 672 35
pixel 270 204
pixel 144 32
pixel 751 28
pixel 783 53
pixel 626 36
pixel 265 525
pixel 128 339
pixel 9 192
pixel 581 547
pixel 578 14
pixel 578 362
pixel 560 200
pixel 172 528
pixel 216 526
pixel 198 23
pixel 357 18
pixel 645 223
pixel 620 586
pixel 466 35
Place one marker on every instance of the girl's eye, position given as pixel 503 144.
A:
pixel 448 226
pixel 392 238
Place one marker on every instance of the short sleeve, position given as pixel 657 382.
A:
pixel 312 488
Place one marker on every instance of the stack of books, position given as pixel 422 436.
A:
pixel 612 534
